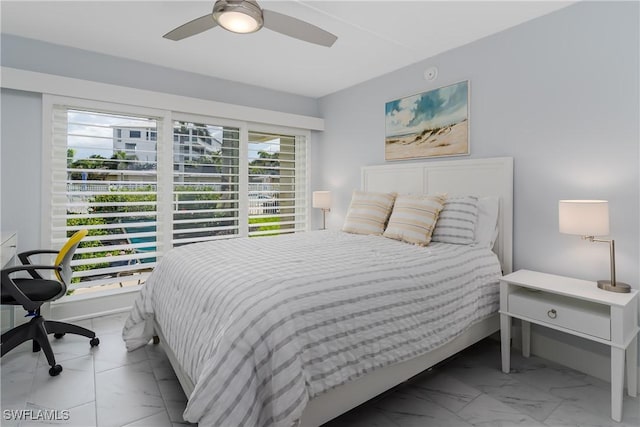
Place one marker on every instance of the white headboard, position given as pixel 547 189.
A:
pixel 476 177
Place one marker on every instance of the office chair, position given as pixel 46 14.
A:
pixel 34 291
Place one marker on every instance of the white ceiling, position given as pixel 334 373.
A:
pixel 374 37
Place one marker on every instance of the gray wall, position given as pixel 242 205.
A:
pixel 34 55
pixel 20 160
pixel 559 94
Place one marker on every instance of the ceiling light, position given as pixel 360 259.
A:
pixel 238 16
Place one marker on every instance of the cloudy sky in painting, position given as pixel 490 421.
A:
pixel 428 110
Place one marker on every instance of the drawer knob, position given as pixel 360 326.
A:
pixel 552 313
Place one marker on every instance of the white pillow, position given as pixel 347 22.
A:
pixel 487 225
pixel 413 218
pixel 368 212
pixel 457 221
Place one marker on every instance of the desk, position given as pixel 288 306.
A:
pixel 8 248
pixel 9 245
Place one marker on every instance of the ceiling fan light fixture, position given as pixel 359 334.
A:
pixel 238 16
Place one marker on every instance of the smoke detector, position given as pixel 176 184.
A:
pixel 431 73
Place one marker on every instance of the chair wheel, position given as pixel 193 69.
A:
pixel 55 370
pixel 58 336
pixel 94 342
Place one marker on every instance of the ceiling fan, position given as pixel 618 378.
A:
pixel 246 16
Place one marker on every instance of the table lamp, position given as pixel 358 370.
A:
pixel 590 218
pixel 322 200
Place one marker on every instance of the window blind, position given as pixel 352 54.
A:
pixel 277 183
pixel 104 179
pixel 216 181
pixel 206 186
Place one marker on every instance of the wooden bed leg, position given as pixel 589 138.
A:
pixel 156 339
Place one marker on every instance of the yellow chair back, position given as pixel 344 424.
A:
pixel 65 255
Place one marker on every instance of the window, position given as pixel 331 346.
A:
pixel 109 191
pixel 202 179
pixel 206 189
pixel 277 185
pixel 134 134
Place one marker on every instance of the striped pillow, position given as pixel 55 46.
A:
pixel 368 212
pixel 413 218
pixel 457 222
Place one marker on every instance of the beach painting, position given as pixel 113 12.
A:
pixel 430 124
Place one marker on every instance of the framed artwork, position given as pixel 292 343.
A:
pixel 429 124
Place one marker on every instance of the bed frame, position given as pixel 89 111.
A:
pixel 479 177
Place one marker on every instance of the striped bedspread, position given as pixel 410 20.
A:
pixel 262 325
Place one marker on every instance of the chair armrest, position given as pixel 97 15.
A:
pixel 8 285
pixel 24 259
pixel 24 256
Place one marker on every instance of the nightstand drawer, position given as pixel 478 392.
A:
pixel 577 315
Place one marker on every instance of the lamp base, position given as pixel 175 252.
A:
pixel 619 287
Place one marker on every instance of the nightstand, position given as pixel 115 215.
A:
pixel 579 308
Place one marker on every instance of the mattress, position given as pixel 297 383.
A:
pixel 263 325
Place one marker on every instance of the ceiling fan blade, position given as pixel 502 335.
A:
pixel 296 28
pixel 192 28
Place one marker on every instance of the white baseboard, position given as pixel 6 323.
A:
pixel 75 307
pixel 86 306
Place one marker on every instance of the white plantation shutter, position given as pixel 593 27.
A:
pixel 277 183
pixel 140 190
pixel 104 169
pixel 206 188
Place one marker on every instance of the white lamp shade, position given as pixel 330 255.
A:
pixel 584 217
pixel 322 199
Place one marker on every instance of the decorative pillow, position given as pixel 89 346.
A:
pixel 457 221
pixel 413 218
pixel 487 226
pixel 368 212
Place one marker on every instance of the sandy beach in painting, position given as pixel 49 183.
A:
pixel 446 141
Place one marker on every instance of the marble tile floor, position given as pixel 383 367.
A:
pixel 106 386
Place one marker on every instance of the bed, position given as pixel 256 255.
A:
pixel 336 318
